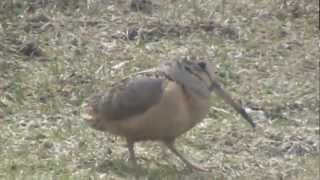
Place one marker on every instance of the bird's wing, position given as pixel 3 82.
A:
pixel 131 97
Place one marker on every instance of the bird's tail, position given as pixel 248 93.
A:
pixel 89 113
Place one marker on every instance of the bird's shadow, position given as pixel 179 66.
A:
pixel 150 171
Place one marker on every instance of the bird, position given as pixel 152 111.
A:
pixel 158 104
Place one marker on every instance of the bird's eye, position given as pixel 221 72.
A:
pixel 188 69
pixel 203 65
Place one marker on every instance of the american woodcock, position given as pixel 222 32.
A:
pixel 158 104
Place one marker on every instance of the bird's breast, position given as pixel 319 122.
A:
pixel 176 113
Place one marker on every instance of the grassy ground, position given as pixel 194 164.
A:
pixel 54 54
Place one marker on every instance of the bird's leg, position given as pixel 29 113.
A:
pixel 192 166
pixel 132 157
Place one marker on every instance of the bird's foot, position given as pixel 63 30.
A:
pixel 133 164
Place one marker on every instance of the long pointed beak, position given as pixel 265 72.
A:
pixel 227 98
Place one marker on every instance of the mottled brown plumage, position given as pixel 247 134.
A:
pixel 158 104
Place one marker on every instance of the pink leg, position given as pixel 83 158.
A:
pixel 192 166
pixel 132 157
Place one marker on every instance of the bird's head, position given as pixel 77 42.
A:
pixel 199 76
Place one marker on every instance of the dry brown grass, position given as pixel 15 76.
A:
pixel 54 54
